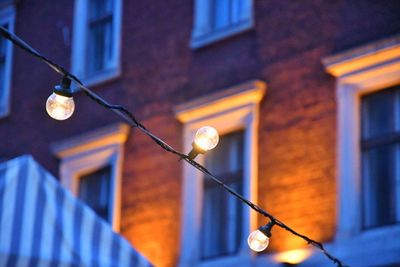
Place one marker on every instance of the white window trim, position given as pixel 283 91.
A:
pixel 86 153
pixel 359 71
pixel 79 41
pixel 227 111
pixel 201 21
pixel 7 15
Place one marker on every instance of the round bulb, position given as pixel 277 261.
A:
pixel 60 107
pixel 258 241
pixel 206 138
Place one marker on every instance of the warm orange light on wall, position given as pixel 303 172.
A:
pixel 293 256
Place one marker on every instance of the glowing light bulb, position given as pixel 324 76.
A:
pixel 258 241
pixel 206 138
pixel 60 107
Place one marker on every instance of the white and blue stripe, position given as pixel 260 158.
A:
pixel 43 225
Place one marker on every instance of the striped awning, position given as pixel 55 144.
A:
pixel 42 224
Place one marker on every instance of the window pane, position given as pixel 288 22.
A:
pixel 94 190
pixel 221 224
pixel 226 13
pixel 99 8
pixel 3 47
pixel 100 47
pixel 221 220
pixel 379 186
pixel 2 76
pixel 380 143
pixel 378 114
pixel 227 156
pixel 237 10
pixel 222 12
pixel 100 36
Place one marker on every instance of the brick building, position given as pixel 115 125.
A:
pixel 305 95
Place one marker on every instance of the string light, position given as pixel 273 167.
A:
pixel 206 138
pixel 128 116
pixel 60 104
pixel 258 240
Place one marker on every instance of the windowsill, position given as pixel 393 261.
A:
pixel 248 258
pixel 375 247
pixel 236 260
pixel 4 113
pixel 99 78
pixel 213 37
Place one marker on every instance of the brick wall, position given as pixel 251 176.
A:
pixel 297 127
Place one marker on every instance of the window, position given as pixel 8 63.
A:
pixel 368 181
pixel 100 39
pixel 380 157
pixel 218 19
pixel 215 225
pixel 96 40
pixel 95 191
pixel 91 167
pixel 221 215
pixel 7 15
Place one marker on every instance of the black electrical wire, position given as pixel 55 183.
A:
pixel 130 118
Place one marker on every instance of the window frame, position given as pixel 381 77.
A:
pixel 92 151
pixel 358 72
pixel 80 42
pixel 7 16
pixel 202 33
pixel 236 108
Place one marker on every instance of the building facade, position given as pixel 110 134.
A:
pixel 305 95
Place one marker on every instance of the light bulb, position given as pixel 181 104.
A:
pixel 60 107
pixel 206 138
pixel 258 241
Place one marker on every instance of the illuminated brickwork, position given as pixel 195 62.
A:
pixel 297 166
pixel 151 195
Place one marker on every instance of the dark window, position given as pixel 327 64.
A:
pixel 380 157
pixel 3 55
pixel 6 2
pixel 100 36
pixel 95 191
pixel 227 13
pixel 221 220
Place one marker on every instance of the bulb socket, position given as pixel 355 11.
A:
pixel 266 229
pixel 64 88
pixel 196 150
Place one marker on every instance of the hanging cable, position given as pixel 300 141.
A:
pixel 130 118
